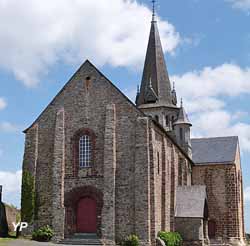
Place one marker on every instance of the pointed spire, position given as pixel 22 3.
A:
pixel 182 116
pixel 174 96
pixel 155 69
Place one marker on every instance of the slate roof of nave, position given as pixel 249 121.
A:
pixel 219 150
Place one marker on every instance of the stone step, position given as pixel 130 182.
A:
pixel 85 236
pixel 80 242
pixel 219 244
pixel 82 239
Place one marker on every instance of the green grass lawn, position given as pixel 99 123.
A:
pixel 3 241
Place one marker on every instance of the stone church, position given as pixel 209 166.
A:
pixel 103 167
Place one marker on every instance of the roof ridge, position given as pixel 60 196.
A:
pixel 235 136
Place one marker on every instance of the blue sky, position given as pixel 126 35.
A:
pixel 207 45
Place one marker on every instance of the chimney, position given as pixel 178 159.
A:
pixel 1 188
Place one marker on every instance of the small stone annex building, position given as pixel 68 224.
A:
pixel 97 163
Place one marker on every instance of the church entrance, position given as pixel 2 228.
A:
pixel 87 215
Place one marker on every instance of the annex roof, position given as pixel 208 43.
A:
pixel 190 201
pixel 220 150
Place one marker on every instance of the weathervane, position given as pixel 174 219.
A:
pixel 153 10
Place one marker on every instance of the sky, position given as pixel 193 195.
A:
pixel 206 45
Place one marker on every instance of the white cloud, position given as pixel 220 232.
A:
pixel 240 4
pixel 204 94
pixel 8 127
pixel 220 123
pixel 11 182
pixel 34 34
pixel 3 102
pixel 247 194
pixel 227 79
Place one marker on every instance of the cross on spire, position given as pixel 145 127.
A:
pixel 153 10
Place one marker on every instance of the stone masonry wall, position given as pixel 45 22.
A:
pixel 223 202
pixel 240 194
pixel 116 139
pixel 85 108
pixel 191 229
pixel 12 216
pixel 166 161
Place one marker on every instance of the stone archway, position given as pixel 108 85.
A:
pixel 77 200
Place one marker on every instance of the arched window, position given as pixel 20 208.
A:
pixel 167 120
pixel 158 162
pixel 181 134
pixel 157 118
pixel 85 151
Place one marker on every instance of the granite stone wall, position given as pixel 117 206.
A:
pixel 225 207
pixel 191 229
pixel 135 166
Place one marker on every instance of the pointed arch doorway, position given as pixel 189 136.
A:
pixel 87 215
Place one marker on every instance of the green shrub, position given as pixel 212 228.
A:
pixel 131 240
pixel 248 237
pixel 170 238
pixel 44 234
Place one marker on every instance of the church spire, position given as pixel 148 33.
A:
pixel 155 77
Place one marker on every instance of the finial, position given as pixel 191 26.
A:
pixel 181 103
pixel 153 10
pixel 173 86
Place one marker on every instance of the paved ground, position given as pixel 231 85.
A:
pixel 20 242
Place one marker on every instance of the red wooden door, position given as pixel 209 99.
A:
pixel 211 229
pixel 86 215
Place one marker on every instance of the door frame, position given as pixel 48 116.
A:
pixel 71 202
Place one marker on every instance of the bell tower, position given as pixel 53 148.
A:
pixel 156 97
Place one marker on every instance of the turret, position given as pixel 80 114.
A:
pixel 182 128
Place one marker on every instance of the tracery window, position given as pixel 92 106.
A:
pixel 85 151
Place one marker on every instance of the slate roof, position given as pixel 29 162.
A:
pixel 190 201
pixel 155 71
pixel 220 150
